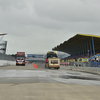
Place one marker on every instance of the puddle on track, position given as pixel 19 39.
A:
pixel 78 77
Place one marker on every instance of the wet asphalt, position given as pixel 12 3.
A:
pixel 31 74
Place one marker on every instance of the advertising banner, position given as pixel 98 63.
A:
pixel 38 56
pixel 35 55
pixel 29 55
pixel 3 45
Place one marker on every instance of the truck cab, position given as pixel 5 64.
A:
pixel 20 58
pixel 52 60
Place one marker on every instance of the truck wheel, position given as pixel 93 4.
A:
pixel 48 66
pixel 57 68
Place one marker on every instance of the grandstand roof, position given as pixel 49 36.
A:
pixel 78 43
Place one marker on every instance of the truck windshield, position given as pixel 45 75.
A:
pixel 51 55
pixel 20 57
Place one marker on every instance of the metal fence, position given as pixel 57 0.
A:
pixel 85 64
pixel 6 57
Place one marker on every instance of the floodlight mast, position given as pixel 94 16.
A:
pixel 2 34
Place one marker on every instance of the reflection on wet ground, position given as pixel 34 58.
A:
pixel 78 77
pixel 29 74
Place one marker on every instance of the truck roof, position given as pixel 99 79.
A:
pixel 20 53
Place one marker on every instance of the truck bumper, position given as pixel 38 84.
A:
pixel 54 66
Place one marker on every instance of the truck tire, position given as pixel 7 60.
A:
pixel 48 67
pixel 57 68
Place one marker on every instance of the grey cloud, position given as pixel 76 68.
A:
pixel 67 10
pixel 36 26
pixel 7 5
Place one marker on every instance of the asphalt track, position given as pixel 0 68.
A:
pixel 30 83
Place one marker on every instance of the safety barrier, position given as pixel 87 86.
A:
pixel 6 60
pixel 6 57
pixel 82 64
pixel 7 63
pixel 95 64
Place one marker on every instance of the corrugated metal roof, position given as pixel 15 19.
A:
pixel 79 42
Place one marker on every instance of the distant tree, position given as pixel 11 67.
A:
pixel 13 55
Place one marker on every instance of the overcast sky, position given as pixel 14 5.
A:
pixel 36 26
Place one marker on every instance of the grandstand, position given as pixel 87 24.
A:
pixel 81 47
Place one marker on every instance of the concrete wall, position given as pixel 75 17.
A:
pixel 85 69
pixel 6 62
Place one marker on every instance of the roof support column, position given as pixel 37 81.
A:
pixel 90 47
pixel 83 47
pixel 80 49
pixel 1 37
pixel 93 46
pixel 87 48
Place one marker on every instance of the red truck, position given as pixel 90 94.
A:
pixel 20 58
